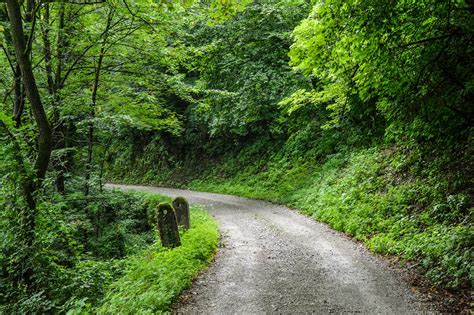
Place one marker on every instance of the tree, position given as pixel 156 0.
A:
pixel 33 182
pixel 408 60
pixel 243 65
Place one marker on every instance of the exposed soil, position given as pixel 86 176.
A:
pixel 273 259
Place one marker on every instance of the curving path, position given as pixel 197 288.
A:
pixel 274 260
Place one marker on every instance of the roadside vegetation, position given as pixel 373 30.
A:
pixel 367 131
pixel 103 255
pixel 153 280
pixel 358 113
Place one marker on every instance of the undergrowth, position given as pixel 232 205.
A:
pixel 408 200
pixel 154 279
pixel 105 253
pixel 369 195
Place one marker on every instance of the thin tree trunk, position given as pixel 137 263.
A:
pixel 90 132
pixel 54 86
pixel 60 44
pixel 47 50
pixel 18 89
pixel 95 87
pixel 19 101
pixel 58 85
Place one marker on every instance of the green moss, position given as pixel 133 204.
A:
pixel 181 207
pixel 167 226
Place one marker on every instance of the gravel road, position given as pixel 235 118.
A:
pixel 274 260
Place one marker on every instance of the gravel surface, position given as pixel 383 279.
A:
pixel 274 260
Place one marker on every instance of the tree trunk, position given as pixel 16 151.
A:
pixel 31 89
pixel 47 50
pixel 19 101
pixel 95 87
pixel 54 87
pixel 32 183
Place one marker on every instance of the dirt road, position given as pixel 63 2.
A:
pixel 275 260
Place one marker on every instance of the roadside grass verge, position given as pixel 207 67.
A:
pixel 154 279
pixel 369 195
pixel 148 278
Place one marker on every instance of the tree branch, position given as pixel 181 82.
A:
pixel 8 58
pixel 431 39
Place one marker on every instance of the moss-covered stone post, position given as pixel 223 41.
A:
pixel 167 226
pixel 181 208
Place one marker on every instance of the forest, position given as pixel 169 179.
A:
pixel 358 114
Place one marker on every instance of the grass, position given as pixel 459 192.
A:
pixel 154 279
pixel 149 277
pixel 368 195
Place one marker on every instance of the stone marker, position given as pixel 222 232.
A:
pixel 181 208
pixel 167 226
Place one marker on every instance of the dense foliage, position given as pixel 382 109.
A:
pixel 80 248
pixel 74 75
pixel 358 113
pixel 370 131
pixel 408 61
